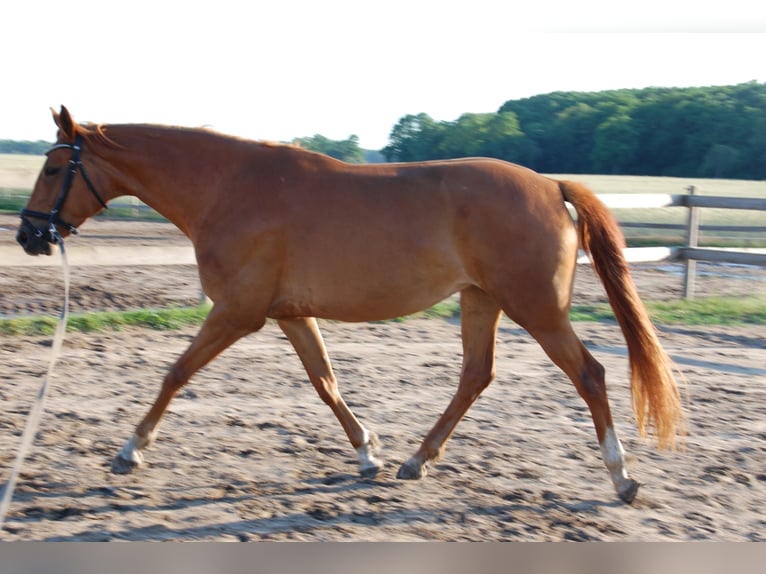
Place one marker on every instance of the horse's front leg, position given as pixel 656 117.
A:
pixel 305 337
pixel 216 334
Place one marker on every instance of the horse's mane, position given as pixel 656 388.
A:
pixel 95 131
pixel 99 133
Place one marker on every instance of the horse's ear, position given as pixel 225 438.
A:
pixel 64 121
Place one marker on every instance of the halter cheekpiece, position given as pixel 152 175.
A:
pixel 54 217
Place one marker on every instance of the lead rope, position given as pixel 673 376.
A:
pixel 33 419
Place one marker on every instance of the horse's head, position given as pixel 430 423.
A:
pixel 64 195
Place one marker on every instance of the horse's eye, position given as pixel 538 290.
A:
pixel 50 170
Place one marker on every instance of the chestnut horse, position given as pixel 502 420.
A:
pixel 286 233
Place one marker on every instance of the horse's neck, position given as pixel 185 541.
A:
pixel 160 172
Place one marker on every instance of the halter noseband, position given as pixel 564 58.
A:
pixel 54 217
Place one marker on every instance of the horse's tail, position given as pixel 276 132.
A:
pixel 656 400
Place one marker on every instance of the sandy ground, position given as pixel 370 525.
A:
pixel 249 452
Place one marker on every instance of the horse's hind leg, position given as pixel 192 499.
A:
pixel 307 340
pixel 479 319
pixel 566 350
pixel 215 335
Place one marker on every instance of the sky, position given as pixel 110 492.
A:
pixel 285 69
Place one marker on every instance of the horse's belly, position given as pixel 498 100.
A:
pixel 371 272
pixel 357 302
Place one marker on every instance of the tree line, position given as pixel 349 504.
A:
pixel 38 147
pixel 717 131
pixel 689 132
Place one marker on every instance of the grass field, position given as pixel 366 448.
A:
pixel 709 311
pixel 19 171
pixel 18 174
pixel 21 163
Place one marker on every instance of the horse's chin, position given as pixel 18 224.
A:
pixel 32 244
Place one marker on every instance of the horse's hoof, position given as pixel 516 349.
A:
pixel 628 493
pixel 122 466
pixel 370 471
pixel 369 465
pixel 411 470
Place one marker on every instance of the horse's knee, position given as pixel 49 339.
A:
pixel 474 380
pixel 175 378
pixel 327 389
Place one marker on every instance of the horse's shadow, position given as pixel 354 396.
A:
pixel 378 507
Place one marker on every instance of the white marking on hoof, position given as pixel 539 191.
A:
pixel 131 451
pixel 130 455
pixel 614 459
pixel 369 464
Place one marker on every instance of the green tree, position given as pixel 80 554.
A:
pixel 755 147
pixel 615 143
pixel 345 150
pixel 466 137
pixel 717 130
pixel 721 160
pixel 506 140
pixel 414 138
pixel 571 145
pixel 38 147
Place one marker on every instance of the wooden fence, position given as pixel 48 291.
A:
pixel 692 252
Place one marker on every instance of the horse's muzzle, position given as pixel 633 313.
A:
pixel 34 241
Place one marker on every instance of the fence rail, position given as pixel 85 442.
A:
pixel 653 200
pixel 692 252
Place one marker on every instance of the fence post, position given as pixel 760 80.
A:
pixel 692 240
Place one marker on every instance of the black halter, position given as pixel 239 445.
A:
pixel 54 217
